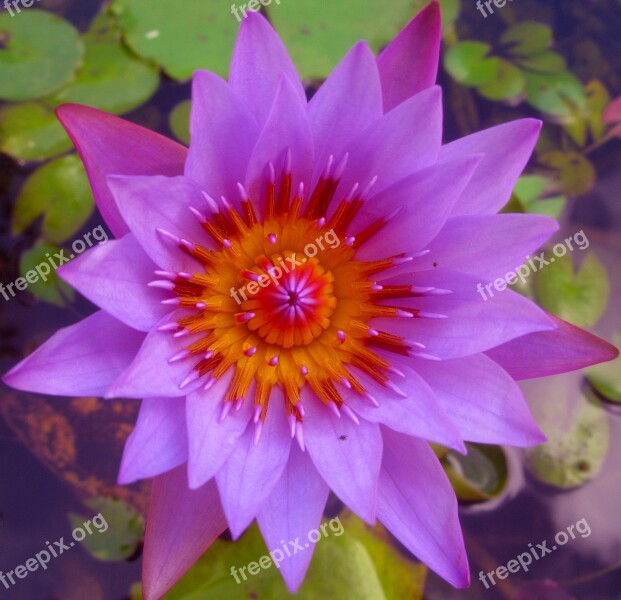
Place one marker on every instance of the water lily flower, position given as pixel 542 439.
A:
pixel 294 299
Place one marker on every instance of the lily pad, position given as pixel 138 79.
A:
pixel 179 121
pixel 508 83
pixel 39 53
pixel 468 63
pixel 117 528
pixel 575 173
pixel 179 38
pixel 46 286
pixel 558 94
pixel 319 33
pixel 529 196
pixel 527 38
pixel 578 297
pixel 606 377
pixel 60 192
pixel 30 132
pixel 544 62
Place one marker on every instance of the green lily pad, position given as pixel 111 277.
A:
pixel 43 283
pixel 529 196
pixel 319 33
pixel 111 78
pixel 179 121
pixel 578 439
pixel 527 38
pixel 508 83
pixel 575 173
pixel 179 38
pixel 117 528
pixel 597 100
pixel 468 63
pixel 544 62
pixel 606 377
pixel 579 297
pixel 60 192
pixel 39 53
pixel 341 568
pixel 30 132
pixel 557 94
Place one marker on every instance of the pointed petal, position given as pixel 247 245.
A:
pixel 150 374
pixel 181 525
pixel 259 60
pixel 409 64
pixel 418 506
pixel 287 128
pixel 251 472
pixel 223 133
pixel 507 148
pixel 544 353
pixel 294 508
pixel 425 199
pixel 349 466
pixel 212 441
pixel 149 203
pixel 482 400
pixel 159 441
pixel 348 102
pixel 81 360
pixel 114 276
pixel 111 146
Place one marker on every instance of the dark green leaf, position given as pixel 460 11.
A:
pixel 35 266
pixel 468 63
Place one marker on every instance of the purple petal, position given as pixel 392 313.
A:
pixel 259 60
pixel 181 525
pixel 212 441
pixel 389 149
pixel 251 471
pixel 348 102
pixel 223 133
pixel 409 64
pixel 159 441
pixel 149 203
pixel 507 148
pixel 349 466
pixel 81 360
pixel 483 401
pixel 425 200
pixel 114 276
pixel 544 353
pixel 287 129
pixel 488 246
pixel 294 508
pixel 418 506
pixel 151 373
pixel 111 146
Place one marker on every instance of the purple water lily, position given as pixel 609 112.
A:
pixel 295 300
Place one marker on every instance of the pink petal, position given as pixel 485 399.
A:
pixel 224 133
pixel 251 471
pixel 482 400
pixel 151 203
pixel 287 129
pixel 212 441
pixel 151 374
pixel 80 360
pixel 348 102
pixel 349 466
pixel 293 509
pixel 181 525
pixel 259 60
pixel 114 276
pixel 111 146
pixel 409 64
pixel 544 353
pixel 488 246
pixel 418 506
pixel 159 441
pixel 507 148
pixel 425 200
